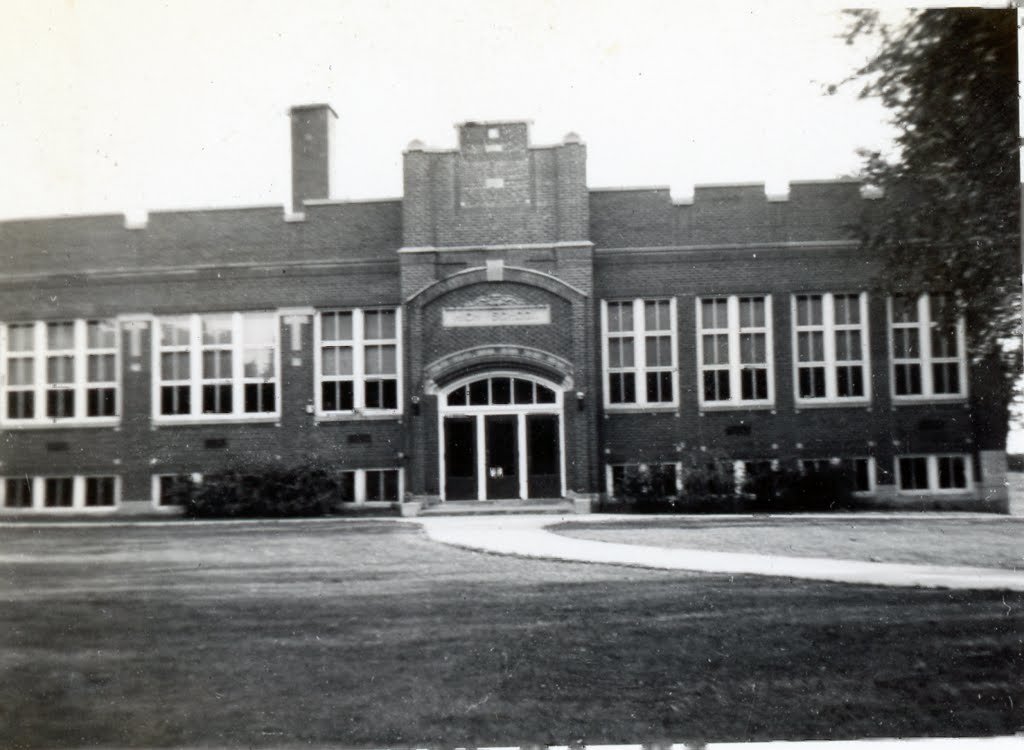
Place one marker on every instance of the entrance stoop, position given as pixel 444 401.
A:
pixel 549 506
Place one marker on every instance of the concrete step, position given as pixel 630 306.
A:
pixel 549 506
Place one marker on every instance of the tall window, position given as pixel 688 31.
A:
pixel 640 352
pixel 59 371
pixel 358 356
pixel 735 350
pixel 934 473
pixel 928 348
pixel 217 366
pixel 831 347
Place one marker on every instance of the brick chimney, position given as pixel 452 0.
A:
pixel 312 126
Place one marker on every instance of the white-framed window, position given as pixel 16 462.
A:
pixel 358 361
pixel 165 488
pixel 60 373
pixel 928 353
pixel 861 470
pixel 734 351
pixel 667 477
pixel 372 485
pixel 61 493
pixel 831 347
pixel 216 366
pixel 640 352
pixel 934 473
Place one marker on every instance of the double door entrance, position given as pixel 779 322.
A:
pixel 494 451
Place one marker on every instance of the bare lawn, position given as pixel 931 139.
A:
pixel 367 634
pixel 991 542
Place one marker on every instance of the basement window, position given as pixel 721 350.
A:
pixel 371 485
pixel 949 473
pixel 63 493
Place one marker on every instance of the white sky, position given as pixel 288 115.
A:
pixel 131 105
pixel 128 105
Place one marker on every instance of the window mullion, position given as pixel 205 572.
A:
pixel 828 321
pixel 318 372
pixel 924 327
pixel 933 472
pixel 78 492
pixel 605 360
pixel 359 485
pixel 39 357
pixel 358 361
pixel 640 352
pixel 674 339
pixel 733 321
pixel 195 363
pixel 961 351
pixel 399 369
pixel 237 371
pixel 80 372
pixel 5 377
pixel 769 348
pixel 38 492
pixel 865 344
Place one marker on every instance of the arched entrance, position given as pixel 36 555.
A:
pixel 501 437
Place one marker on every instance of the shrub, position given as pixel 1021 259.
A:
pixel 268 492
pixel 648 490
pixel 789 490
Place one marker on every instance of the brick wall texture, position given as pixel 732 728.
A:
pixel 558 245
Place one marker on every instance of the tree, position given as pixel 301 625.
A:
pixel 950 221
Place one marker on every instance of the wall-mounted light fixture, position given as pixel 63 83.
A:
pixel 580 396
pixel 415 401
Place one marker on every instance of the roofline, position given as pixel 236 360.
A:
pixel 627 188
pixel 464 123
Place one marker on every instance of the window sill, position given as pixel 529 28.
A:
pixel 959 492
pixel 84 509
pixel 351 416
pixel 831 403
pixel 752 406
pixel 207 419
pixel 641 409
pixel 911 400
pixel 51 424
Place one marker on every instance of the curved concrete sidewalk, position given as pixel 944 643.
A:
pixel 526 536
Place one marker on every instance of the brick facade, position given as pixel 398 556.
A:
pixel 495 224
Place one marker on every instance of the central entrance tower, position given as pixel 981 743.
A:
pixel 497 280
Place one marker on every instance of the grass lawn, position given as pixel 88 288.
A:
pixel 368 634
pixel 985 542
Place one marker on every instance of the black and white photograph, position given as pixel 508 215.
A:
pixel 553 374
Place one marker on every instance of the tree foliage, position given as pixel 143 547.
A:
pixel 950 219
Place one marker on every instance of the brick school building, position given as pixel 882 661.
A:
pixel 500 331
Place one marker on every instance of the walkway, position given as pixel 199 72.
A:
pixel 526 536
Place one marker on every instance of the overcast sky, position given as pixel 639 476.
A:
pixel 118 105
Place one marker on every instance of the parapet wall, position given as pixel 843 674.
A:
pixel 727 214
pixel 171 239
